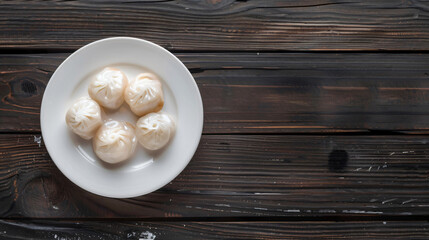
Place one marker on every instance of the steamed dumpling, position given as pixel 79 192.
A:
pixel 154 130
pixel 84 117
pixel 144 94
pixel 107 88
pixel 115 141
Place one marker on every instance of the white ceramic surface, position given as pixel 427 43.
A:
pixel 145 171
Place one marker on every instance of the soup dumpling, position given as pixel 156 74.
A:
pixel 84 117
pixel 154 130
pixel 108 87
pixel 144 94
pixel 115 141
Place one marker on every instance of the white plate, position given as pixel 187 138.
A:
pixel 144 172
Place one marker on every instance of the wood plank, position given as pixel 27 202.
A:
pixel 220 25
pixel 46 229
pixel 239 176
pixel 264 93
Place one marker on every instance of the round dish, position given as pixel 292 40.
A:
pixel 145 171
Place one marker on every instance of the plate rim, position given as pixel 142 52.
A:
pixel 200 112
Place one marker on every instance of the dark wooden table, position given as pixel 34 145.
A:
pixel 316 120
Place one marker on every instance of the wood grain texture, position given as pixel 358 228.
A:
pixel 264 93
pixel 220 24
pixel 89 230
pixel 239 176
